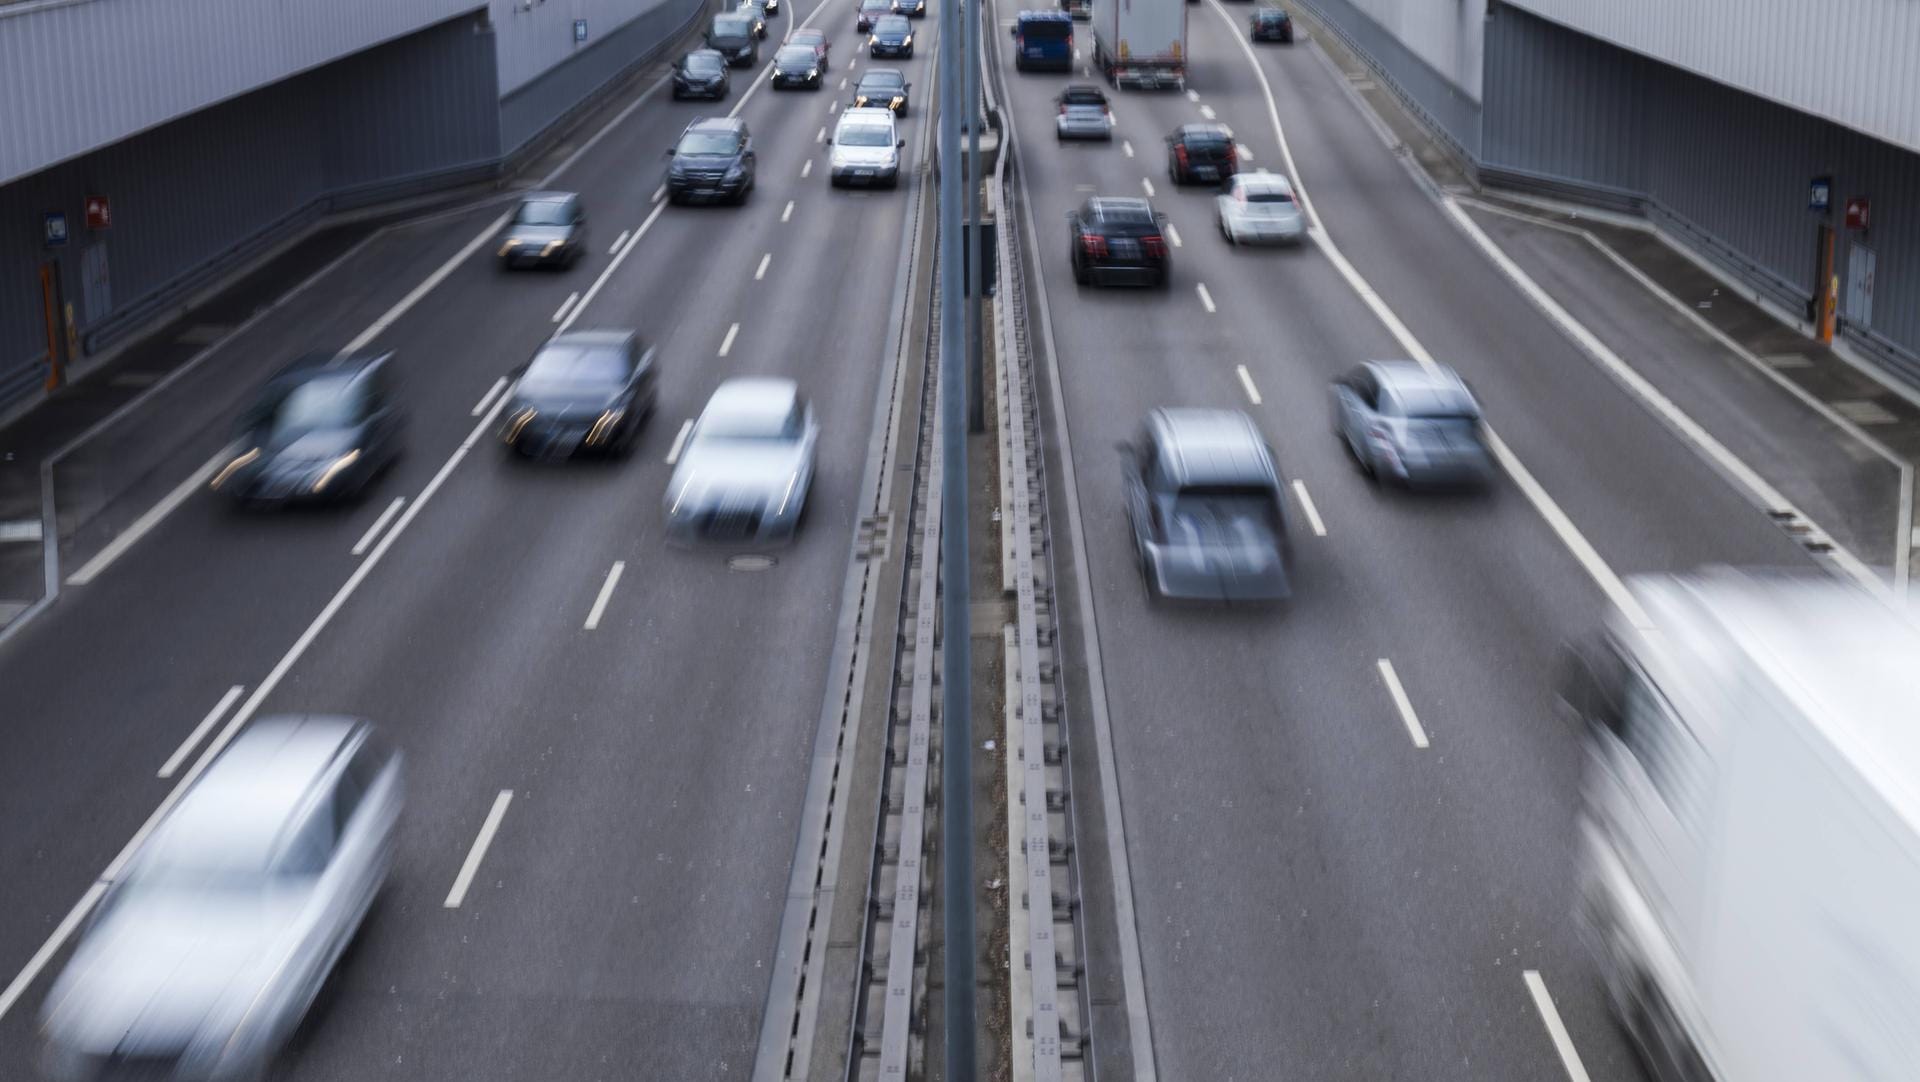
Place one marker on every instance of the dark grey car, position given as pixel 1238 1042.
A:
pixel 321 429
pixel 1415 425
pixel 701 73
pixel 713 161
pixel 732 36
pixel 1205 503
pixel 584 392
pixel 548 230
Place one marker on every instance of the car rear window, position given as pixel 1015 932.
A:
pixel 1268 195
pixel 704 63
pixel 1206 140
pixel 543 212
pixel 1046 29
pixel 731 26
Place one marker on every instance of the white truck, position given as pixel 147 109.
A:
pixel 1141 43
pixel 1750 828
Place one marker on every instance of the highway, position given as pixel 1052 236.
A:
pixel 1329 886
pixel 621 921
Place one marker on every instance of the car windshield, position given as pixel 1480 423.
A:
pixel 543 212
pixel 796 56
pixel 328 402
pixel 1207 511
pixel 881 83
pixel 707 142
pixel 1434 404
pixel 1205 140
pixel 865 135
pixel 893 24
pixel 731 26
pixel 565 370
pixel 1046 29
pixel 1083 95
pixel 704 64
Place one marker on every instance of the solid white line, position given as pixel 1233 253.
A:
pixel 373 531
pixel 606 594
pixel 618 241
pixel 1206 298
pixel 427 285
pixel 679 441
pixel 761 271
pixel 1306 505
pixel 560 313
pixel 1174 235
pixel 1246 381
pixel 598 283
pixel 1126 147
pixel 1207 111
pixel 1148 185
pixel 787 211
pixel 1556 1029
pixel 193 739
pixel 141 526
pixel 486 400
pixel 726 344
pixel 659 193
pixel 58 939
pixel 479 851
pixel 1403 704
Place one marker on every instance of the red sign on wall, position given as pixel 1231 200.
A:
pixel 1858 212
pixel 99 212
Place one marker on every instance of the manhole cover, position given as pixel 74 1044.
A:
pixel 749 562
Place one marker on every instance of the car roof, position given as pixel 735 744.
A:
pixel 894 18
pixel 867 115
pixel 1421 388
pixel 329 362
pixel 1266 182
pixel 717 124
pixel 808 32
pixel 1210 446
pixel 1083 90
pixel 552 197
pixel 239 809
pixel 704 54
pixel 1045 17
pixel 759 396
pixel 1185 131
pixel 598 337
pixel 795 49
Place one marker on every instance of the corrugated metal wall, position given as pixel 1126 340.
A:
pixel 241 174
pixel 1444 101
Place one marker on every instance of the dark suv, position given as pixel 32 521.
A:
pixel 870 11
pixel 732 37
pixel 1118 239
pixel 1271 24
pixel 714 160
pixel 892 37
pixel 1201 154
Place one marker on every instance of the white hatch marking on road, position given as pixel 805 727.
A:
pixel 806 170
pixel 366 539
pixel 1174 236
pixel 145 523
pixel 1207 111
pixel 1241 149
pixel 1206 298
pixel 1556 1029
pixel 1306 505
pixel 1403 704
pixel 819 137
pixel 560 313
pixel 761 271
pixel 788 211
pixel 479 851
pixel 679 441
pixel 486 400
pixel 193 739
pixel 659 193
pixel 606 594
pixel 1246 382
pixel 726 344
pixel 1193 95
pixel 1126 148
pixel 1147 184
pixel 619 240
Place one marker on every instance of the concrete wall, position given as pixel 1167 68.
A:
pixel 1429 54
pixel 544 76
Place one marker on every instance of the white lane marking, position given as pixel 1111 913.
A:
pixel 1207 111
pixel 193 739
pixel 1206 298
pixel 1402 703
pixel 679 441
pixel 1246 382
pixel 486 400
pixel 1126 147
pixel 426 286
pixel 606 594
pixel 787 212
pixel 1076 54
pixel 26 529
pixel 1148 185
pixel 1570 536
pixel 659 193
pixel 479 851
pixel 761 271
pixel 54 942
pixel 1193 95
pixel 819 137
pixel 1242 151
pixel 1174 236
pixel 726 344
pixel 618 241
pixel 600 282
pixel 366 539
pixel 843 84
pixel 1556 1029
pixel 560 313
pixel 145 523
pixel 1306 505
pixel 806 170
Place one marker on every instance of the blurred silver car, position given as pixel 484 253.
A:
pixel 1203 496
pixel 202 958
pixel 1259 208
pixel 1084 113
pixel 1411 424
pixel 747 464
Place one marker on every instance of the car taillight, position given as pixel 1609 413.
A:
pixel 1094 246
pixel 1154 246
pixel 1063 108
pixel 1180 152
pixel 1233 155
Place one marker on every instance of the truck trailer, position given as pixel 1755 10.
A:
pixel 1141 43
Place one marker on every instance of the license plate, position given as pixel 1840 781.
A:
pixel 1126 249
pixel 863 172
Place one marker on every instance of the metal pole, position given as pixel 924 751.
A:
pixel 956 787
pixel 976 247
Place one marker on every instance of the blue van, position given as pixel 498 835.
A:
pixel 1043 40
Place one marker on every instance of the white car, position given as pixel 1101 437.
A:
pixel 866 148
pixel 203 957
pixel 1259 208
pixel 747 466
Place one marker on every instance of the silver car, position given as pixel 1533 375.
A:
pixel 202 958
pixel 1083 114
pixel 1204 500
pixel 866 148
pixel 1259 208
pixel 747 466
pixel 1411 424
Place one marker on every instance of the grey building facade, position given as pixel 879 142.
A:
pixel 1714 124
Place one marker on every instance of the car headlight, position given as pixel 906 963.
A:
pixel 897 99
pixel 519 422
pixel 333 469
pixel 552 245
pixel 239 463
pixel 860 102
pixel 873 39
pixel 909 40
pixel 604 425
pixel 813 73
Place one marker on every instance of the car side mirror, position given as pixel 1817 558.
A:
pixel 669 152
pixel 1013 30
pixel 901 143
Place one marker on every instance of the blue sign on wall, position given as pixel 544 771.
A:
pixel 1820 196
pixel 579 30
pixel 56 234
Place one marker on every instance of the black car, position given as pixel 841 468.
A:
pixel 815 39
pixel 701 74
pixel 882 88
pixel 714 160
pixel 732 37
pixel 1271 24
pixel 549 229
pixel 755 15
pixel 1201 154
pixel 796 65
pixel 892 37
pixel 1118 239
pixel 585 392
pixel 870 12
pixel 321 429
pixel 913 9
